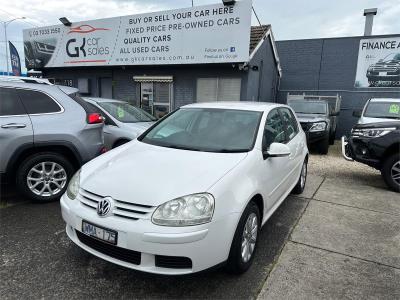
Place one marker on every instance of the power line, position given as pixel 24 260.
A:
pixel 254 11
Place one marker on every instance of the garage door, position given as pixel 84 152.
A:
pixel 218 89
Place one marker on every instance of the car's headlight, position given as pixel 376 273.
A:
pixel 73 186
pixel 185 211
pixel 319 126
pixel 371 133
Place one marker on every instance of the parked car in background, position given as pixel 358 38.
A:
pixel 316 121
pixel 46 133
pixel 376 145
pixel 192 192
pixel 386 72
pixel 379 110
pixel 123 121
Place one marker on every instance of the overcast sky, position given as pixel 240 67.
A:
pixel 290 19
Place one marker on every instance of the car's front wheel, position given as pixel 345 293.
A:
pixel 391 172
pixel 44 177
pixel 245 240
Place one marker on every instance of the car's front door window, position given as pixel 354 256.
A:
pixel 290 123
pixel 274 130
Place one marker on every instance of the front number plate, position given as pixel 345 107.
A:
pixel 104 234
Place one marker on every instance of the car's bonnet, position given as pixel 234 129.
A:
pixel 151 175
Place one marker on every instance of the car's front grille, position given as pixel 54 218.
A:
pixel 173 262
pixel 306 126
pixel 119 253
pixel 120 208
pixel 385 68
pixel 357 133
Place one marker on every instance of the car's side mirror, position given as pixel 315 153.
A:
pixel 357 113
pixel 277 150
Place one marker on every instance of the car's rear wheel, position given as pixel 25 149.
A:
pixel 301 184
pixel 245 240
pixel 391 172
pixel 44 177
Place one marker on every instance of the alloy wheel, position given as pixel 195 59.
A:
pixel 395 172
pixel 46 179
pixel 249 237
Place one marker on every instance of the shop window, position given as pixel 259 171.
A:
pixel 218 89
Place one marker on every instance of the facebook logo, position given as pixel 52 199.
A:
pixel 233 49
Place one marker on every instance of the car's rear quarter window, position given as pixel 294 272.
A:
pixel 36 102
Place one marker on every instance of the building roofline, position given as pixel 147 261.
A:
pixel 268 34
pixel 345 37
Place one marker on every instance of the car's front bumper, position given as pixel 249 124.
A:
pixel 360 151
pixel 316 137
pixel 205 245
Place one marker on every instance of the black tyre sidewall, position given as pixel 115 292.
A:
pixel 28 163
pixel 386 172
pixel 298 189
pixel 235 263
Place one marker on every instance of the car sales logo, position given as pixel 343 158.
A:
pixel 86 47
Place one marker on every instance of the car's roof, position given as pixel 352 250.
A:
pixel 385 100
pixel 308 100
pixel 38 86
pixel 239 105
pixel 100 100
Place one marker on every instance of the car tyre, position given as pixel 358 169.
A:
pixel 391 172
pixel 301 183
pixel 323 146
pixel 332 138
pixel 246 237
pixel 45 172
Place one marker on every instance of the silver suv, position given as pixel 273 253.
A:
pixel 46 133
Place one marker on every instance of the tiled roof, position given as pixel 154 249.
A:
pixel 257 33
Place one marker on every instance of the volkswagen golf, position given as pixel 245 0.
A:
pixel 191 192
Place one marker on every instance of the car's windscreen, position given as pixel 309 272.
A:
pixel 126 113
pixel 392 57
pixel 308 107
pixel 384 110
pixel 206 129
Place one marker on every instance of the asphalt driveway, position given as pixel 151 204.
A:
pixel 37 260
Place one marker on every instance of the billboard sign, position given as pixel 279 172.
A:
pixel 378 63
pixel 200 34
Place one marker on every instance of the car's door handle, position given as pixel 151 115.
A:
pixel 13 125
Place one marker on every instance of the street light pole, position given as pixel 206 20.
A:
pixel 6 23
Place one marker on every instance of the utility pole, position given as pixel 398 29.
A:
pixel 5 24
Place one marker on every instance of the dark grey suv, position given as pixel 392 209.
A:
pixel 46 133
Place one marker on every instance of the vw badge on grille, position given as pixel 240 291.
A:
pixel 104 207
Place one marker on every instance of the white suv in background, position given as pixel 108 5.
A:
pixel 192 192
pixel 379 110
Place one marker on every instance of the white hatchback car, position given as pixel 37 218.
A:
pixel 192 191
